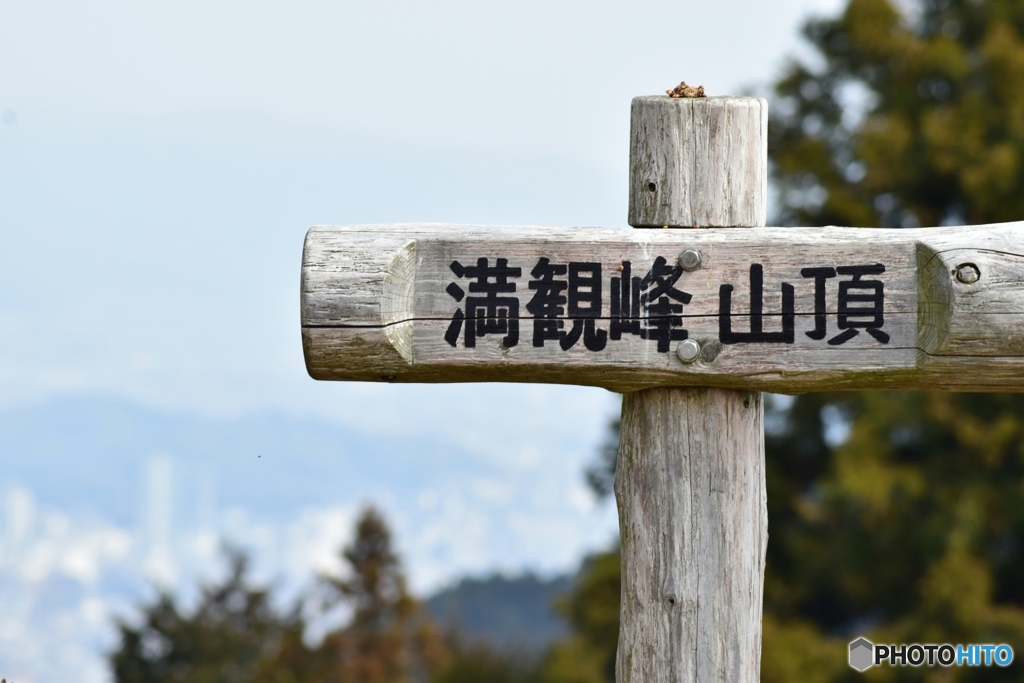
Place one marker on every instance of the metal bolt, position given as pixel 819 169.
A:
pixel 690 259
pixel 688 350
pixel 967 273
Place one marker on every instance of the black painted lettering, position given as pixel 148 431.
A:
pixel 757 333
pixel 820 319
pixel 861 304
pixel 488 314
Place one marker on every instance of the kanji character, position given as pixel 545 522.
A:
pixel 489 314
pixel 869 317
pixel 757 333
pixel 649 307
pixel 583 296
pixel 664 318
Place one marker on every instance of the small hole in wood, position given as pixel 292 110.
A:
pixel 671 600
pixel 651 187
pixel 967 273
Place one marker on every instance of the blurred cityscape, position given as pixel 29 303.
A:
pixel 103 527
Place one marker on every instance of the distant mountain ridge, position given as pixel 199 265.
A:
pixel 508 613
pixel 89 452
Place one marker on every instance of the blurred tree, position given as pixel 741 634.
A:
pixel 222 641
pixel 478 663
pixel 389 639
pixel 592 610
pixel 914 117
pixel 600 474
pixel 910 528
pixel 908 531
pixel 235 634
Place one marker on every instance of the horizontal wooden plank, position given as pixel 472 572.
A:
pixel 781 309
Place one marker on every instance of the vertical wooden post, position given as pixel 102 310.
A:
pixel 690 481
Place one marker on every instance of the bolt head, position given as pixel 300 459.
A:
pixel 968 273
pixel 688 350
pixel 690 259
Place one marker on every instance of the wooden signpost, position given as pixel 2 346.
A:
pixel 654 312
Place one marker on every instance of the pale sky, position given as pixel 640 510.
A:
pixel 160 162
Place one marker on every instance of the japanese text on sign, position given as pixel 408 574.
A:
pixel 566 301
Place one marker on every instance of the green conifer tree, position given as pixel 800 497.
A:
pixel 235 635
pixel 909 529
pixel 388 639
pixel 916 116
pixel 223 640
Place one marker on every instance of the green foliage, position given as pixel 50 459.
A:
pixel 600 475
pixel 908 531
pixel 795 650
pixel 592 610
pixel 236 635
pixel 916 116
pixel 585 655
pixel 376 647
pixel 574 660
pixel 224 640
pixel 477 663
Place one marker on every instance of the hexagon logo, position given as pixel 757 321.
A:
pixel 862 654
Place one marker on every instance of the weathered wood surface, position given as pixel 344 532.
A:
pixel 690 482
pixel 693 526
pixel 375 307
pixel 698 162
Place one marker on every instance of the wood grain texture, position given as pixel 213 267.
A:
pixel 693 525
pixel 698 162
pixel 689 484
pixel 393 279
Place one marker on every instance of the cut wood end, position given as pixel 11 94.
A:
pixel 683 90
